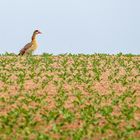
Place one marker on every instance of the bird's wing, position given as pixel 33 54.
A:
pixel 26 47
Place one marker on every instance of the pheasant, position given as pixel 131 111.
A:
pixel 32 46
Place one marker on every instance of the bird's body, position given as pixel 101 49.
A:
pixel 32 46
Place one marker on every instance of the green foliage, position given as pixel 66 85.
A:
pixel 69 96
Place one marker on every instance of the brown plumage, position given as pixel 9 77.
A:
pixel 30 47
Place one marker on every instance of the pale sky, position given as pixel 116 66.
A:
pixel 71 26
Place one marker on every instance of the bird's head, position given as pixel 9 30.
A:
pixel 36 32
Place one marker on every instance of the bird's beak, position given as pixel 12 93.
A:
pixel 39 32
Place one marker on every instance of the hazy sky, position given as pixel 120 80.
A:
pixel 71 26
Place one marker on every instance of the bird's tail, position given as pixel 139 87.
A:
pixel 22 52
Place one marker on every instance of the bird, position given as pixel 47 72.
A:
pixel 32 46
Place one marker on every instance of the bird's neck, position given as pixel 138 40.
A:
pixel 34 37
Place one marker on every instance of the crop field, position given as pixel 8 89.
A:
pixel 70 97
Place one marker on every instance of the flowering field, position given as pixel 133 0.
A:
pixel 70 97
